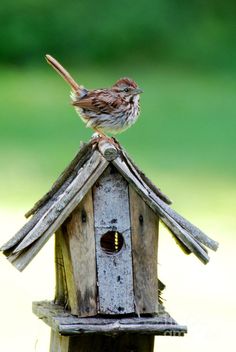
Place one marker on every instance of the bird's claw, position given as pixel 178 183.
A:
pixel 112 140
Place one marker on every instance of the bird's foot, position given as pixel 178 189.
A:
pixel 98 137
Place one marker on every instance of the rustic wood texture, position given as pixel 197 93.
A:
pixel 42 206
pixel 8 247
pixel 72 302
pixel 160 208
pixel 61 292
pixel 80 260
pixel 61 321
pixel 102 343
pixel 58 212
pixel 144 251
pixel 66 198
pixel 196 232
pixel 108 150
pixel 111 213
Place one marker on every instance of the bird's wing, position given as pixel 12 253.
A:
pixel 99 101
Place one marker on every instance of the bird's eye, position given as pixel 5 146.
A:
pixel 126 90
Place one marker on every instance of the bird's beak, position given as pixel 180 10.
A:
pixel 137 91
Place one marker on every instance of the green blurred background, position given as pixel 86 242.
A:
pixel 182 53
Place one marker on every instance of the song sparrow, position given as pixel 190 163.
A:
pixel 110 110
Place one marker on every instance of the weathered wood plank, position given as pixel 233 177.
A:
pixel 163 200
pixel 15 240
pixel 195 231
pixel 42 206
pixel 56 315
pixel 78 232
pixel 117 328
pixel 21 260
pixel 150 199
pixel 72 298
pixel 80 181
pixel 111 213
pixel 66 324
pixel 144 252
pixel 9 247
pixel 61 291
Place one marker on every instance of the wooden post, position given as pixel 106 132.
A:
pixel 102 343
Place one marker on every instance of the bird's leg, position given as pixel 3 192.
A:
pixel 103 136
pixel 96 139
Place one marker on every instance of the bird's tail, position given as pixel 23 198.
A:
pixel 62 72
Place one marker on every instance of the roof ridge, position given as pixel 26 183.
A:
pixel 72 185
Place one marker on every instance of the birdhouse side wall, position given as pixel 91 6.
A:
pixel 76 253
pixel 144 227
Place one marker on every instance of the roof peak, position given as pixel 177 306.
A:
pixel 55 206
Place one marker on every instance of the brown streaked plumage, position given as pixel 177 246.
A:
pixel 104 110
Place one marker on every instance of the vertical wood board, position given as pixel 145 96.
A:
pixel 111 212
pixel 79 229
pixel 61 292
pixel 72 297
pixel 144 250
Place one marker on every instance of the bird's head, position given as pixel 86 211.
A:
pixel 127 88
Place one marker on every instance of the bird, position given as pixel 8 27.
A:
pixel 105 110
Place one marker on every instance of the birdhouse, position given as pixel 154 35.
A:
pixel 105 214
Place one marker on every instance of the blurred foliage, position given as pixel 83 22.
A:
pixel 198 32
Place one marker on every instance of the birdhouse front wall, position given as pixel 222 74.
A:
pixel 113 244
pixel 106 252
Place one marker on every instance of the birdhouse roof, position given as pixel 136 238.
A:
pixel 49 213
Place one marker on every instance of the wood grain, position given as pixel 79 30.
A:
pixel 80 181
pixel 72 296
pixel 66 324
pixel 21 260
pixel 111 213
pixel 144 252
pixel 78 232
pixel 42 206
pixel 162 199
pixel 151 199
pixel 108 150
pixel 61 291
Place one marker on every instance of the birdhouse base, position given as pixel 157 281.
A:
pixel 66 324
